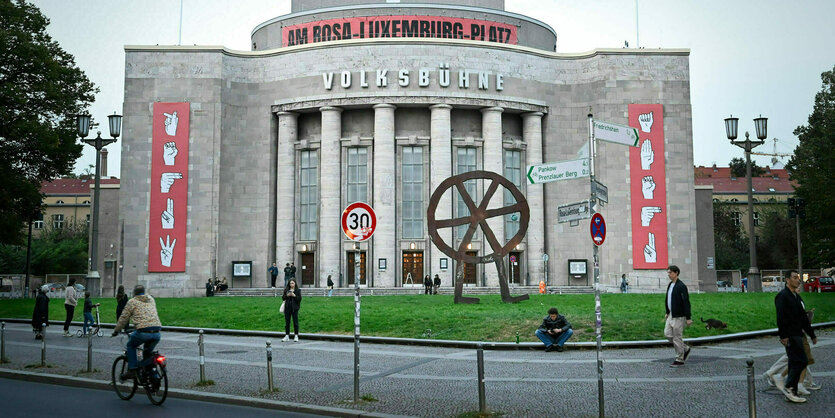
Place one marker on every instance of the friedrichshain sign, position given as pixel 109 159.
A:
pixel 404 77
pixel 370 27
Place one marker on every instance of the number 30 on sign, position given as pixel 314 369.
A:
pixel 358 221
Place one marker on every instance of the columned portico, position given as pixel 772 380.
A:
pixel 384 239
pixel 491 133
pixel 440 169
pixel 532 136
pixel 330 187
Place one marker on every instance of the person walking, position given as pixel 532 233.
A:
pixel 273 274
pixel 70 301
pixel 677 305
pixel 792 322
pixel 437 283
pixel 287 273
pixel 427 285
pixel 210 288
pixel 554 331
pixel 330 286
pixel 121 301
pixel 292 298
pixel 40 315
pixel 624 284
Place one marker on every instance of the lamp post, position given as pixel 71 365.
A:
pixel 761 125
pixel 115 123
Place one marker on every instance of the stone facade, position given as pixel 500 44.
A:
pixel 255 115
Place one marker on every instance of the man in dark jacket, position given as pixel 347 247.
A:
pixel 677 305
pixel 288 273
pixel 437 283
pixel 791 323
pixel 41 314
pixel 554 331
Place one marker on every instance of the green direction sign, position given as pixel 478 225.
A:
pixel 561 170
pixel 619 134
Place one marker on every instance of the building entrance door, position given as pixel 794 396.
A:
pixel 470 270
pixel 308 269
pixel 515 270
pixel 412 268
pixel 350 266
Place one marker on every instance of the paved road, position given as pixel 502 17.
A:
pixel 426 381
pixel 30 399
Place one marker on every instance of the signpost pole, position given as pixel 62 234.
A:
pixel 592 152
pixel 356 323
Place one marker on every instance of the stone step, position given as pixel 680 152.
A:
pixel 385 291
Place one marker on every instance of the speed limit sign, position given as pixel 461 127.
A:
pixel 358 221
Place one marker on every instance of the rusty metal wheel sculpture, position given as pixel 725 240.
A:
pixel 478 217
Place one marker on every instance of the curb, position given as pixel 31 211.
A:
pixel 488 345
pixel 220 398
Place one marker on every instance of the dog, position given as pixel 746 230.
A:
pixel 713 323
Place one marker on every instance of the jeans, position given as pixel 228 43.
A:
pixel 797 361
pixel 558 339
pixel 136 339
pixel 287 316
pixel 330 291
pixel 88 319
pixel 70 310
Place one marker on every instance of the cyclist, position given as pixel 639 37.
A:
pixel 142 310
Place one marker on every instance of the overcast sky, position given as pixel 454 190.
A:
pixel 747 57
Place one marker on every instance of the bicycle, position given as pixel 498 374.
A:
pixel 151 374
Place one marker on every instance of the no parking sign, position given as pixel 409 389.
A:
pixel 597 228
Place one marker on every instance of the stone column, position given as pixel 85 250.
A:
pixel 493 154
pixel 440 168
pixel 285 189
pixel 535 238
pixel 385 236
pixel 330 186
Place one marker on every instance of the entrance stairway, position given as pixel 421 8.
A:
pixel 384 291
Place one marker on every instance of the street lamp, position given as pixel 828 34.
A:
pixel 115 123
pixel 761 125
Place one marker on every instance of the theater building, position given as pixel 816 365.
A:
pixel 249 157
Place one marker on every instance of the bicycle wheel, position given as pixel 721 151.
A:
pixel 157 389
pixel 124 388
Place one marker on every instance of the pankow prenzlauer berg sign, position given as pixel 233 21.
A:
pixel 398 27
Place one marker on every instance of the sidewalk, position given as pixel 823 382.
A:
pixel 441 381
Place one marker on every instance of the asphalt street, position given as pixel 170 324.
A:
pixel 431 381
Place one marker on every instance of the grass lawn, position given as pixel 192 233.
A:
pixel 625 317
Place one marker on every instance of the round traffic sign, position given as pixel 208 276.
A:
pixel 513 259
pixel 597 227
pixel 358 221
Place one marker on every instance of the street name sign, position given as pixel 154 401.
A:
pixel 359 221
pixel 612 132
pixel 600 191
pixel 558 171
pixel 574 212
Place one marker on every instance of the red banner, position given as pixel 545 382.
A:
pixel 648 188
pixel 169 188
pixel 398 27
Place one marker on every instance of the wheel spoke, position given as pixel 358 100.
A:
pixel 491 237
pixel 491 213
pixel 494 185
pixel 449 223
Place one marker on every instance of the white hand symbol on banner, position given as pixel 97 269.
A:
pixel 169 151
pixel 167 180
pixel 171 121
pixel 168 215
pixel 166 251
pixel 648 187
pixel 647 154
pixel 645 119
pixel 647 212
pixel 650 255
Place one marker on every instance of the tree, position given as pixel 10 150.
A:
pixel 777 246
pixel 730 242
pixel 738 168
pixel 41 91
pixel 813 167
pixel 62 251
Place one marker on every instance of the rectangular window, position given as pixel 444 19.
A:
pixel 308 195
pixel 58 221
pixel 88 220
pixel 38 223
pixel 357 175
pixel 412 192
pixel 512 172
pixel 756 219
pixel 466 163
pixel 737 217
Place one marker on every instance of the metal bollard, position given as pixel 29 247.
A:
pixel 269 366
pixel 90 351
pixel 43 346
pixel 482 402
pixel 752 396
pixel 202 358
pixel 3 342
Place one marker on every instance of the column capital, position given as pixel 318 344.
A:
pixel 330 109
pixel 287 114
pixel 384 106
pixel 492 109
pixel 533 115
pixel 440 106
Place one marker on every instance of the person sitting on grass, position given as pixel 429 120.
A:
pixel 554 331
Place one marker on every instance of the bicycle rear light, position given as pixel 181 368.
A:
pixel 161 360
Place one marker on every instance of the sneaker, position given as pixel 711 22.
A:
pixel 67 334
pixel 768 379
pixel 812 386
pixel 779 383
pixel 560 349
pixel 676 364
pixel 130 374
pixel 801 390
pixel 686 354
pixel 285 339
pixel 296 339
pixel 792 397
